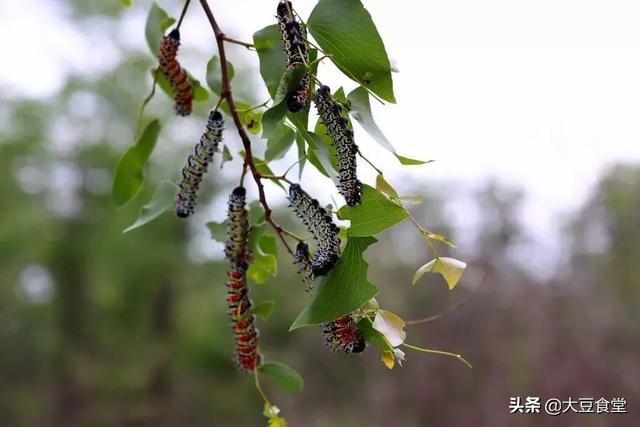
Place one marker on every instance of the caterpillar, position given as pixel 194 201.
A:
pixel 302 259
pixel 330 113
pixel 320 224
pixel 247 350
pixel 238 228
pixel 247 354
pixel 197 163
pixel 176 76
pixel 343 335
pixel 297 50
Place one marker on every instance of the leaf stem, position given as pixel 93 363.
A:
pixel 444 353
pixel 147 99
pixel 184 12
pixel 370 163
pixel 238 42
pixel 257 382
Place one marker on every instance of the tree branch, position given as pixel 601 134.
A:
pixel 246 142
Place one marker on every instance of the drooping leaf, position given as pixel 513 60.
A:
pixel 218 230
pixel 262 309
pixel 265 250
pixel 360 110
pixel 344 29
pixel 214 77
pixel 450 268
pixel 129 175
pixel 375 214
pixel 345 289
pixel 373 336
pixel 271 412
pixel 388 359
pixel 410 162
pixel 384 187
pixel 164 198
pixel 226 156
pixel 157 23
pixel 279 144
pixel 283 376
pixel 391 326
pixel 273 61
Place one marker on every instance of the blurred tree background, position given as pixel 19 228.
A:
pixel 98 328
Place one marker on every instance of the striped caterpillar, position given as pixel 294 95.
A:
pixel 319 223
pixel 238 228
pixel 297 51
pixel 342 137
pixel 197 163
pixel 343 335
pixel 248 357
pixel 176 76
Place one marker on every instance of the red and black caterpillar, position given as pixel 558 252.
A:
pixel 197 163
pixel 297 51
pixel 247 350
pixel 176 76
pixel 330 113
pixel 343 335
pixel 320 224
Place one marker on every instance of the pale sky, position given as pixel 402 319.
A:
pixel 543 94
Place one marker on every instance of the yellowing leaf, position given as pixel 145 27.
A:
pixel 384 187
pixel 391 326
pixel 388 359
pixel 277 422
pixel 450 268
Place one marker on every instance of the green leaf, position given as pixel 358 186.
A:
pixel 344 29
pixel 376 213
pixel 273 61
pixel 265 250
pixel 410 162
pixel 226 156
pixel 157 23
pixel 373 336
pixel 163 199
pixel 263 309
pixel 283 376
pixel 126 2
pixel 272 120
pixel 289 81
pixel 218 230
pixel 129 175
pixel 214 78
pixel 256 213
pixel 345 289
pixel 279 144
pixel 450 268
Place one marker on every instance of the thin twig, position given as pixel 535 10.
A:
pixel 147 99
pixel 450 309
pixel 246 142
pixel 370 163
pixel 239 42
pixel 184 12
